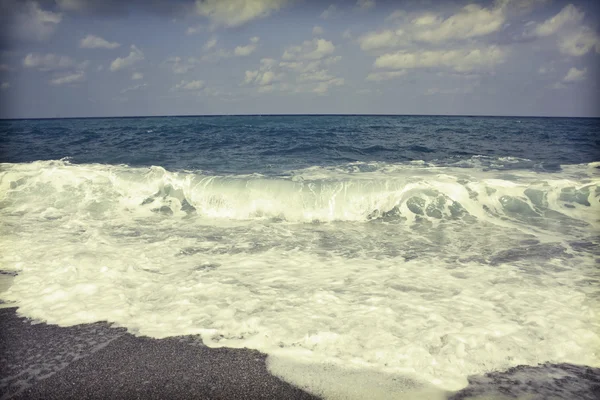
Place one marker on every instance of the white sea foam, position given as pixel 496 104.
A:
pixel 423 274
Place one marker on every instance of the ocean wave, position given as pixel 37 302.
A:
pixel 359 192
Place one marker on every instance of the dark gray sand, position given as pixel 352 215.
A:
pixel 94 361
pixel 541 382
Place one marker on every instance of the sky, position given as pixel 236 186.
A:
pixel 86 58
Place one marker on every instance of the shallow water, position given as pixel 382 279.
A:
pixel 426 270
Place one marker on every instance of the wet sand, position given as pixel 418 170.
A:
pixel 94 361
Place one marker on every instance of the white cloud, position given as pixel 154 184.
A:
pixel 519 7
pixel 5 67
pixel 137 76
pixel 5 85
pixel 365 4
pixel 318 76
pixel 347 34
pixel 460 60
pixel 192 85
pixel 379 40
pixel 398 14
pixel 471 21
pixel 317 30
pixel 459 90
pixel 323 87
pixel 248 49
pixel 329 12
pixel 30 22
pixel 568 15
pixel 48 62
pixel 579 42
pixel 265 75
pixel 216 55
pixel 212 42
pixel 426 19
pixel 134 56
pixel 71 5
pixel 181 66
pixel 66 79
pixel 132 88
pixel 232 13
pixel 575 75
pixel 96 42
pixel 100 68
pixel 192 30
pixel 302 69
pixel 332 60
pixel 385 75
pixel 309 50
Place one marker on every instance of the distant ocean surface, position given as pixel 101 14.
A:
pixel 423 247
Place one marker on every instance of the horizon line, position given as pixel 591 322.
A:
pixel 295 115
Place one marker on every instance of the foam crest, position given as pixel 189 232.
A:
pixel 383 192
pixel 425 274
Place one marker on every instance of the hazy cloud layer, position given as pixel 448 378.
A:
pixel 536 57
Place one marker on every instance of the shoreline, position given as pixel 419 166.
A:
pixel 96 361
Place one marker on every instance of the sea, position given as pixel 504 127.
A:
pixel 368 256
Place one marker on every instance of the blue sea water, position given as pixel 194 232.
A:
pixel 430 248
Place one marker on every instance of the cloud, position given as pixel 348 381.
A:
pixel 192 30
pixel 309 50
pixel 543 70
pixel 321 75
pixel 579 42
pixel 426 19
pixel 347 34
pixel 575 75
pixel 460 60
pixel 212 42
pixel 317 30
pixel 323 87
pixel 365 4
pixel 216 55
pixel 459 90
pixel 385 75
pixel 265 75
pixel 66 79
pixel 26 20
pixel 133 88
pixel 379 40
pixel 398 14
pixel 96 42
pixel 519 7
pixel 242 51
pixel 134 56
pixel 568 15
pixel 4 85
pixel 329 12
pixel 137 76
pixel 180 66
pixel 189 86
pixel 124 8
pixel 47 62
pixel 231 13
pixel 471 21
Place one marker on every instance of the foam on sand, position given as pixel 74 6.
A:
pixel 424 274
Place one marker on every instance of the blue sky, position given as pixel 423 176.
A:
pixel 73 58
